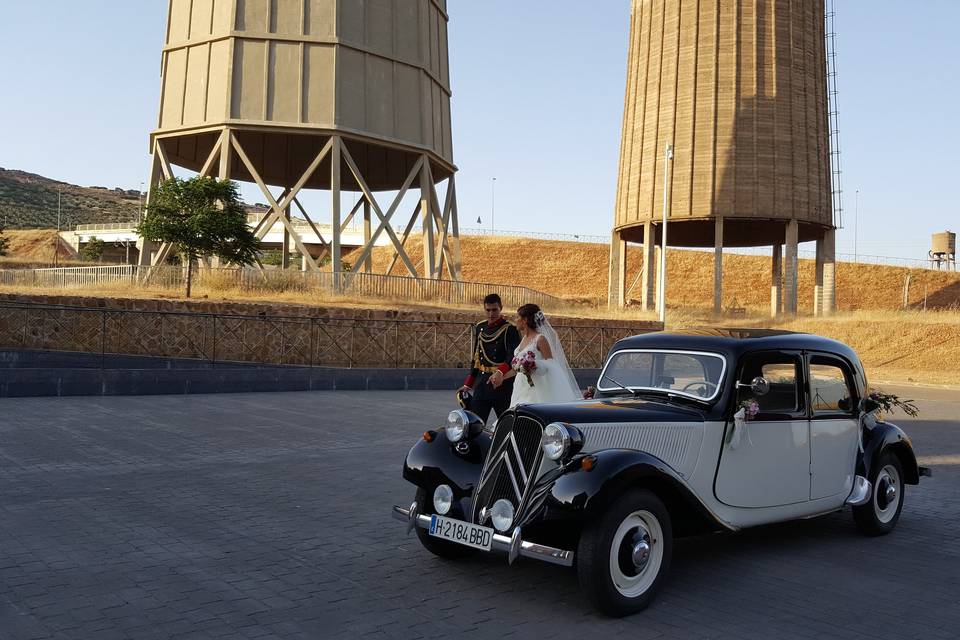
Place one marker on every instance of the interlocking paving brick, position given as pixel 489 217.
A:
pixel 268 516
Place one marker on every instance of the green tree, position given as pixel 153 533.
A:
pixel 93 250
pixel 4 242
pixel 200 217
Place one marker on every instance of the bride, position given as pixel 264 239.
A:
pixel 552 380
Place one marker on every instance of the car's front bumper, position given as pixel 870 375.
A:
pixel 514 546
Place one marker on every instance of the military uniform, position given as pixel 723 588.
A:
pixel 492 348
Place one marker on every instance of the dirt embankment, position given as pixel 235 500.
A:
pixel 579 270
pixel 900 346
pixel 34 248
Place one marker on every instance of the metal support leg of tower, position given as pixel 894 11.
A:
pixel 426 222
pixel 791 268
pixel 718 265
pixel 285 257
pixel 776 281
pixel 368 263
pixel 616 295
pixel 818 280
pixel 829 294
pixel 649 278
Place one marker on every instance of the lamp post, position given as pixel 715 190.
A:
pixel 56 238
pixel 662 298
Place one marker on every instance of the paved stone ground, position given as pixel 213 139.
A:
pixel 267 516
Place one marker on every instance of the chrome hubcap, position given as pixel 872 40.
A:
pixel 891 493
pixel 641 554
pixel 886 498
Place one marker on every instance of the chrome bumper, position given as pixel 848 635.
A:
pixel 514 546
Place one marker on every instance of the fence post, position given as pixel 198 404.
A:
pixel 103 338
pixel 213 355
pixel 310 326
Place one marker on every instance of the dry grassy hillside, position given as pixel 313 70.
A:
pixel 579 270
pixel 34 247
pixel 904 346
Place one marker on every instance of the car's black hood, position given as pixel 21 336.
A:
pixel 614 410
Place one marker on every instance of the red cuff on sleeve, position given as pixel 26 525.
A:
pixel 504 368
pixel 469 381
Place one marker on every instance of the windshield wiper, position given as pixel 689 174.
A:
pixel 632 392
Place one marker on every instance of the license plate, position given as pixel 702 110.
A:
pixel 464 533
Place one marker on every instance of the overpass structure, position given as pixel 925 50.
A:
pixel 124 245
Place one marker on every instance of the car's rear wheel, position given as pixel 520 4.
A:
pixel 624 556
pixel 441 548
pixel 880 515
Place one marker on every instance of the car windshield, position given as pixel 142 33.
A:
pixel 693 374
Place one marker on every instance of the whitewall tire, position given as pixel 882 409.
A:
pixel 624 555
pixel 880 515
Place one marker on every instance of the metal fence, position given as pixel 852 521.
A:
pixel 274 340
pixel 362 285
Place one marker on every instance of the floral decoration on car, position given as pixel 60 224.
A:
pixel 750 408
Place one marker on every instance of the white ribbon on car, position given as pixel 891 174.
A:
pixel 739 427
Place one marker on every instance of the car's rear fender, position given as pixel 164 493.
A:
pixel 573 493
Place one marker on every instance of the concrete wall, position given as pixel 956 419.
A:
pixel 117 332
pixel 39 374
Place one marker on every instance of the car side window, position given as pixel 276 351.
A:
pixel 829 388
pixel 782 372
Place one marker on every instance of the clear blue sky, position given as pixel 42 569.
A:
pixel 538 96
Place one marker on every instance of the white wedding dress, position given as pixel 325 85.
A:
pixel 553 381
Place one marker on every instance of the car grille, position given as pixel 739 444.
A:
pixel 511 465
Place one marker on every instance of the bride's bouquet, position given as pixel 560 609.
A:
pixel 525 364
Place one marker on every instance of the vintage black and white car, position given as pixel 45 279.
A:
pixel 663 450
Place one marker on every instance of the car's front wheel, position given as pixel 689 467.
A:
pixel 436 546
pixel 624 556
pixel 880 515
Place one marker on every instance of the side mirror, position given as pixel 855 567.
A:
pixel 758 386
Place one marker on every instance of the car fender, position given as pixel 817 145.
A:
pixel 574 493
pixel 438 461
pixel 886 436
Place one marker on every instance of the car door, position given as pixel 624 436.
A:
pixel 771 464
pixel 833 426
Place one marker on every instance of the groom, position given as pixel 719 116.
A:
pixel 493 342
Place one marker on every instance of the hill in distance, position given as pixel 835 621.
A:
pixel 29 201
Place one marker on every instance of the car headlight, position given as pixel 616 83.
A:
pixel 556 441
pixel 501 514
pixel 458 425
pixel 443 499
